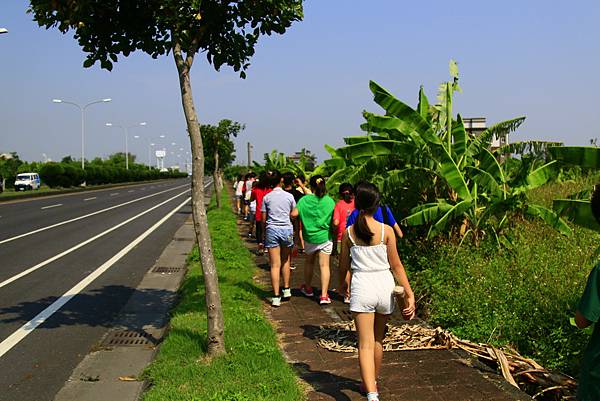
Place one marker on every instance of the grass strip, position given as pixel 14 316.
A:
pixel 254 368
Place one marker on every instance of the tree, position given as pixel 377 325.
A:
pixel 9 164
pixel 227 31
pixel 219 150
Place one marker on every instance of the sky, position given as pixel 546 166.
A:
pixel 308 87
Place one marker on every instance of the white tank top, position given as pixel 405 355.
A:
pixel 369 258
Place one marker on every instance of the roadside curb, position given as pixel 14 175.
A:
pixel 111 371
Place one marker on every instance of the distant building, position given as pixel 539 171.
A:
pixel 309 158
pixel 476 125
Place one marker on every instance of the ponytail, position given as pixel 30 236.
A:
pixel 317 183
pixel 361 228
pixel 367 202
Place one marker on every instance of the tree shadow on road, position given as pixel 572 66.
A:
pixel 97 307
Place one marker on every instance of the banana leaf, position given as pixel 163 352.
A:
pixel 335 163
pixel 579 211
pixel 541 175
pixel 500 129
pixel 582 156
pixel 488 162
pixel 353 140
pixel 459 136
pixel 456 211
pixel 331 150
pixel 453 176
pixel 398 128
pixel 550 218
pixel 427 213
pixel 365 150
pixel 423 106
pixel 409 119
pixel 487 182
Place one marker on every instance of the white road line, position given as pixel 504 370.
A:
pixel 30 326
pixel 87 215
pixel 51 206
pixel 116 193
pixel 89 199
pixel 131 191
pixel 81 244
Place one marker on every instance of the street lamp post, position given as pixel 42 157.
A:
pixel 126 130
pixel 82 110
pixel 3 30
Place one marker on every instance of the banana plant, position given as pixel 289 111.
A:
pixel 442 177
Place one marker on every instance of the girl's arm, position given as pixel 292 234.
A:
pixel 294 213
pixel 398 231
pixel 344 263
pixel 399 272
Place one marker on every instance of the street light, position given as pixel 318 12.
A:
pixel 3 30
pixel 126 130
pixel 82 110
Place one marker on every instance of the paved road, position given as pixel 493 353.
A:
pixel 59 289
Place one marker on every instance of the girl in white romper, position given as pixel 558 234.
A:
pixel 369 251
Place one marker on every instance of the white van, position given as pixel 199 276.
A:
pixel 27 181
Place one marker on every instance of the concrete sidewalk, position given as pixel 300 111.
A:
pixel 418 375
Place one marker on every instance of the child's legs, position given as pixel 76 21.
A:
pixel 275 261
pixel 380 322
pixel 286 259
pixel 259 232
pixel 325 272
pixel 365 322
pixel 309 262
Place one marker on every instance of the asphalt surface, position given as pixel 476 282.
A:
pixel 39 265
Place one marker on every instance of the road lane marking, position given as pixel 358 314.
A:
pixel 89 199
pixel 30 326
pixel 116 193
pixel 87 215
pixel 51 206
pixel 131 191
pixel 81 244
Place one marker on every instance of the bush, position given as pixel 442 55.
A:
pixel 52 174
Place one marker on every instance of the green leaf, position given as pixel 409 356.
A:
pixel 402 127
pixel 427 213
pixel 423 106
pixel 579 211
pixel 410 119
pixel 486 181
pixel 550 218
pixel 500 129
pixel 541 175
pixel 488 162
pixel 459 136
pixel 582 156
pixel 453 176
pixel 453 67
pixel 88 63
pixel 456 211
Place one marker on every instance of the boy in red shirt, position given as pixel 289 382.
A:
pixel 343 209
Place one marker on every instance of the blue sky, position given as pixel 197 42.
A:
pixel 308 87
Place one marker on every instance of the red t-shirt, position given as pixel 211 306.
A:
pixel 341 212
pixel 259 194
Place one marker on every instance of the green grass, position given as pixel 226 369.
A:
pixel 522 296
pixel 254 368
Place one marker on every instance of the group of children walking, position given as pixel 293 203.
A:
pixel 358 229
pixel 362 232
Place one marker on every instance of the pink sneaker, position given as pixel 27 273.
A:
pixel 307 291
pixel 324 300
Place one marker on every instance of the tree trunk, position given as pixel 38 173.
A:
pixel 216 177
pixel 215 332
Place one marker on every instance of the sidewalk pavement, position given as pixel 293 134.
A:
pixel 420 375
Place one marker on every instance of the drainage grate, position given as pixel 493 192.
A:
pixel 128 338
pixel 167 270
pixel 183 239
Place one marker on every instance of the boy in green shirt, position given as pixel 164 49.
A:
pixel 588 312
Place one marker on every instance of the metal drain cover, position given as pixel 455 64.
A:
pixel 167 270
pixel 183 239
pixel 128 338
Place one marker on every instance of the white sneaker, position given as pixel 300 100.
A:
pixel 286 293
pixel 276 301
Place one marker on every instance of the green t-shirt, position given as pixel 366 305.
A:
pixel 316 214
pixel 589 306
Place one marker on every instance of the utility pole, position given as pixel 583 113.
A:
pixel 250 155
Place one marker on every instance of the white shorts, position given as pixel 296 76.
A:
pixel 325 247
pixel 372 292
